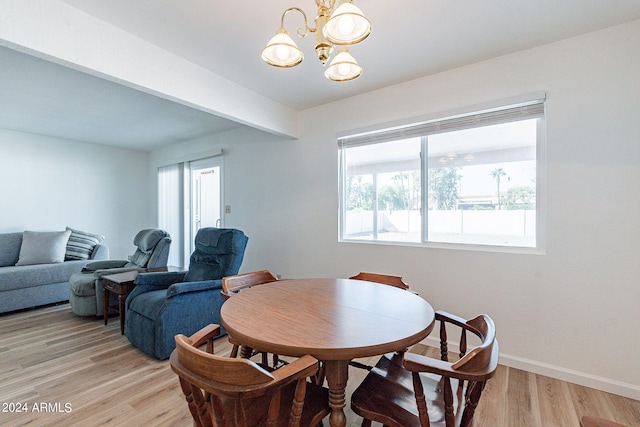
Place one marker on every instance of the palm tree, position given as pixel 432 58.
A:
pixel 498 173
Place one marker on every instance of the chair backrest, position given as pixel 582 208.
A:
pixel 480 358
pixel 226 373
pixel 472 369
pixel 384 279
pixel 152 249
pixel 231 285
pixel 218 253
pixel 229 392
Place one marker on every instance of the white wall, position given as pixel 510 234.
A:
pixel 48 184
pixel 571 313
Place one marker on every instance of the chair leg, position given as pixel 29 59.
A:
pixel 319 377
pixel 234 351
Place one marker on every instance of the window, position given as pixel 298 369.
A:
pixel 468 179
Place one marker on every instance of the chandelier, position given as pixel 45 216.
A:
pixel 344 26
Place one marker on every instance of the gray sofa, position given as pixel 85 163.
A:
pixel 31 285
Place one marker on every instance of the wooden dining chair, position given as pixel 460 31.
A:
pixel 236 392
pixel 412 390
pixel 384 279
pixel 231 285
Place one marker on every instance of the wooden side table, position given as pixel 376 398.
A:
pixel 121 284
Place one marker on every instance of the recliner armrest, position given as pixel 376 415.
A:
pixel 160 279
pixel 100 252
pixel 109 271
pixel 150 282
pixel 103 265
pixel 185 287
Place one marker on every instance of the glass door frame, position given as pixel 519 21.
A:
pixel 190 224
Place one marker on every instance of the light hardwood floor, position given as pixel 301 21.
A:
pixel 60 369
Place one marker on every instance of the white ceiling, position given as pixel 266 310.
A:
pixel 410 39
pixel 41 97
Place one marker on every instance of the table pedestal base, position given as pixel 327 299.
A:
pixel 337 373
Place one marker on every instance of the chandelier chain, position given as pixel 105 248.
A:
pixel 328 4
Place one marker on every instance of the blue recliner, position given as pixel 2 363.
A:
pixel 163 305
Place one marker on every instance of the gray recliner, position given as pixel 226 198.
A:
pixel 85 288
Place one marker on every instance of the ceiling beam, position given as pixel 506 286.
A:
pixel 55 31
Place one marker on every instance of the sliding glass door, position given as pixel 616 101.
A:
pixel 189 198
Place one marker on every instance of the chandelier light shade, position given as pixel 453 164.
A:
pixel 342 26
pixel 347 25
pixel 343 67
pixel 282 51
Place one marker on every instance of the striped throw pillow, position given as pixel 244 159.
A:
pixel 81 244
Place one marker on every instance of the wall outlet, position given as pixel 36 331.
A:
pixel 227 209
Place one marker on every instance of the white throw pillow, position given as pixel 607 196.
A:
pixel 43 247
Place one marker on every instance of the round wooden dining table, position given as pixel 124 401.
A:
pixel 334 320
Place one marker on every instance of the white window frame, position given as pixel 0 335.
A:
pixel 526 106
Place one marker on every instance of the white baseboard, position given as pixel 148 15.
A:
pixel 608 385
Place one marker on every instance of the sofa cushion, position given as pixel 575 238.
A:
pixel 10 244
pixel 43 247
pixel 81 244
pixel 18 277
